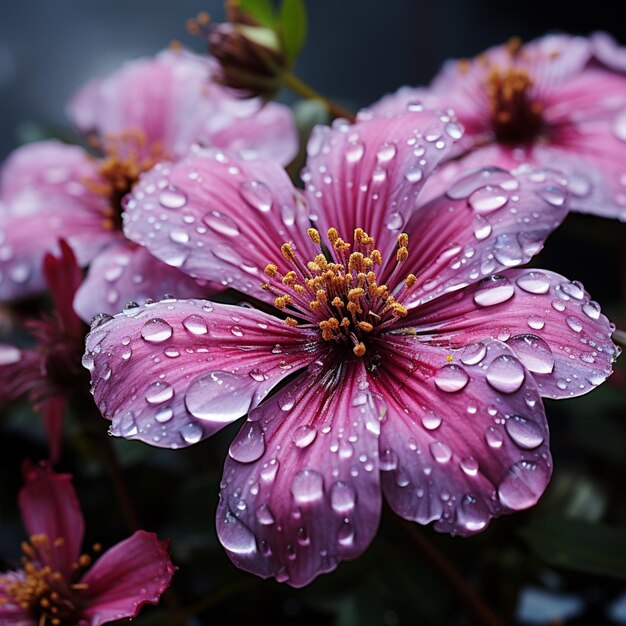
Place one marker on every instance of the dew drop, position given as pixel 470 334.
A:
pixel 159 392
pixel 451 378
pixel 522 485
pixel 534 282
pixel 553 195
pixel 413 174
pixel 164 414
pixel 535 322
pixel 505 374
pixel 307 486
pixel 264 515
pixel 355 152
pixel 236 537
pixel 196 325
pixel 257 195
pixel 574 323
pixel 304 436
pixel 440 451
pixel 394 221
pixel 493 437
pixel 469 465
pixel 249 444
pixel 473 353
pixel 524 432
pixel 218 397
pixel 431 421
pixel 156 330
pixel 342 497
pixel 488 199
pixel 172 198
pixel 533 352
pixel 221 224
pixel 591 310
pixel 191 433
pixel 493 290
pixel 387 152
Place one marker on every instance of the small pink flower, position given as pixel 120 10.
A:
pixel 559 101
pixel 58 585
pixel 413 355
pixel 147 111
pixel 50 372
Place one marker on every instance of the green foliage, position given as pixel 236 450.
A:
pixel 293 27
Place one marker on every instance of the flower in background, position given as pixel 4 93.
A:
pixel 150 110
pixel 59 586
pixel 413 354
pixel 50 372
pixel 558 101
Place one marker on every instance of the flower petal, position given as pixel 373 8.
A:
pixel 489 218
pixel 44 199
pixel 608 51
pixel 465 438
pixel 124 272
pixel 172 100
pixel 368 174
pixel 300 490
pixel 551 324
pixel 11 614
pixel 132 573
pixel 53 413
pixel 174 372
pixel 49 507
pixel 218 218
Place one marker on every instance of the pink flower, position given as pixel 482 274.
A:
pixel 57 584
pixel 413 355
pixel 559 101
pixel 149 110
pixel 50 372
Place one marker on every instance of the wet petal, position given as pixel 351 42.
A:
pixel 172 100
pixel 174 372
pixel 465 438
pixel 218 218
pixel 124 272
pixel 553 326
pixel 49 507
pixel 489 218
pixel 369 174
pixel 132 573
pixel 300 490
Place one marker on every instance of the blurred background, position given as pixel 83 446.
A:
pixel 564 562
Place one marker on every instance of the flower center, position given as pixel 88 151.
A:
pixel 339 290
pixel 40 590
pixel 126 156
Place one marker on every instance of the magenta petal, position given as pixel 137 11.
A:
pixel 174 372
pixel 172 100
pixel 553 326
pixel 488 219
pixel 465 438
pixel 608 52
pixel 125 272
pixel 300 490
pixel 53 414
pixel 368 175
pixel 132 573
pixel 218 217
pixel 49 507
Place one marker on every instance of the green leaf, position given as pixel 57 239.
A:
pixel 293 27
pixel 577 545
pixel 261 10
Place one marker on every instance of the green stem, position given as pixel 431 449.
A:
pixel 301 88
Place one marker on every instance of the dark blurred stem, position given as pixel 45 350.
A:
pixel 466 594
pixel 122 492
pixel 305 91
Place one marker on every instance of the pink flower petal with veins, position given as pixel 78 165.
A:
pixel 219 218
pixel 124 272
pixel 488 219
pixel 551 324
pixel 132 573
pixel 172 100
pixel 301 485
pixel 174 372
pixel 49 507
pixel 369 174
pixel 465 438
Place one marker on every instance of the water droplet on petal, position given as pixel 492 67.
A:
pixel 431 421
pixel 535 322
pixel 469 465
pixel 304 436
pixel 386 152
pixel 191 433
pixel 257 195
pixel 355 152
pixel 493 290
pixel 522 485
pixel 307 486
pixel 413 174
pixel 591 309
pixel 533 352
pixel 534 282
pixel 221 224
pixel 394 221
pixel 574 323
pixel 236 537
pixel 10 355
pixel 505 374
pixel 524 432
pixel 388 461
pixel 196 325
pixel 440 451
pixel 172 198
pixel 159 392
pixel 451 378
pixel 156 330
pixel 164 414
pixel 488 199
pixel 264 515
pixel 217 396
pixel 482 227
pixel 553 195
pixel 345 536
pixel 494 437
pixel 473 353
pixel 249 444
pixel 342 497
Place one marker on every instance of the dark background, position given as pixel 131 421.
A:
pixel 357 51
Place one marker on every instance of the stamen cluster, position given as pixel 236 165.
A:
pixel 339 290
